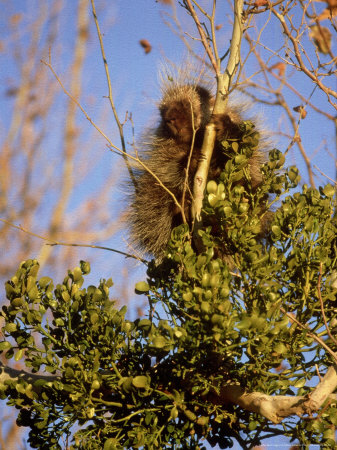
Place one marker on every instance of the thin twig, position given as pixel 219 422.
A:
pixel 203 37
pixel 110 144
pixel 297 51
pixel 310 333
pixel 119 124
pixel 53 242
pixel 325 175
pixel 281 101
pixel 194 130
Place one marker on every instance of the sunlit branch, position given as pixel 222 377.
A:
pixel 311 334
pixel 118 122
pixel 329 92
pixel 203 37
pixel 224 81
pixel 53 242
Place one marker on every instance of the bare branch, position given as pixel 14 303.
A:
pixel 204 39
pixel 118 122
pixel 53 242
pixel 311 334
pixel 295 42
pixel 111 146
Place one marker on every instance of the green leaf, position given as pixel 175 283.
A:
pixel 17 302
pixel 300 383
pixel 94 317
pixel 45 281
pixel 159 342
pixel 212 187
pixel 11 327
pixel 77 274
pixel 111 444
pixel 235 146
pixel 141 287
pixel 140 381
pixel 9 354
pixel 329 190
pixel 5 345
pixel 126 384
pixel 85 267
pixel 145 324
pixel 19 354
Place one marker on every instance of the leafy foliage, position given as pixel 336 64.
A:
pixel 213 320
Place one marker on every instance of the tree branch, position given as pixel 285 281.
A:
pixel 223 83
pixel 203 37
pixel 111 146
pixel 328 91
pixel 112 104
pixel 274 408
pixel 53 242
pixel 14 375
pixel 278 407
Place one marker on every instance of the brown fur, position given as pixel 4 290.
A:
pixel 153 213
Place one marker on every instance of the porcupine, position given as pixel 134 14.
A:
pixel 153 212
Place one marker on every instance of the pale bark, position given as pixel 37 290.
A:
pixel 274 408
pixel 224 81
pixel 278 407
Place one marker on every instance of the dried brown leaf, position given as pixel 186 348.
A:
pixel 261 3
pixel 146 45
pixel 332 3
pixel 280 67
pixel 11 92
pixel 300 109
pixel 15 19
pixel 328 13
pixel 322 38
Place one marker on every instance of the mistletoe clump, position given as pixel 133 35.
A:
pixel 228 350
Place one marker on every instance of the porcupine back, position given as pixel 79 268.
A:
pixel 165 151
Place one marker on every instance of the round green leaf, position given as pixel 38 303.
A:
pixel 159 342
pixel 329 190
pixel 110 444
pixel 19 354
pixel 212 187
pixel 140 381
pixel 11 327
pixel 142 287
pixel 5 345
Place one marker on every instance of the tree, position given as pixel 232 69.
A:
pixel 44 142
pixel 222 354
